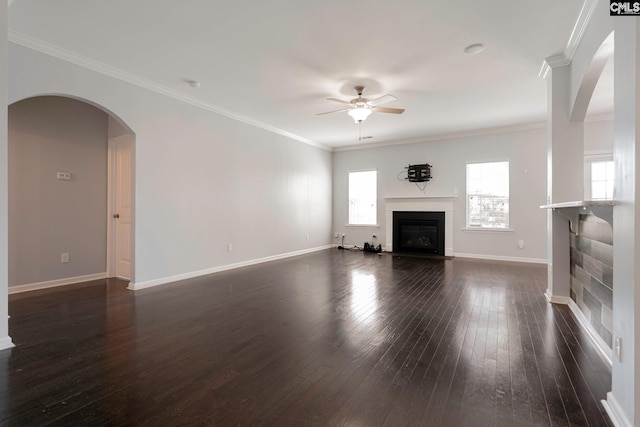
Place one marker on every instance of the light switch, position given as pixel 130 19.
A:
pixel 63 176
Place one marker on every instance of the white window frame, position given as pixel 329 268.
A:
pixel 468 227
pixel 589 158
pixel 375 207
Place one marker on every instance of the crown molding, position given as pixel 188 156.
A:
pixel 551 62
pixel 587 11
pixel 49 49
pixel 465 134
pixel 448 136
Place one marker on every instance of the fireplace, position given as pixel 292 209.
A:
pixel 420 204
pixel 419 232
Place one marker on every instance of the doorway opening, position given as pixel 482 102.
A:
pixel 60 211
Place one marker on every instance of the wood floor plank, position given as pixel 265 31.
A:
pixel 330 338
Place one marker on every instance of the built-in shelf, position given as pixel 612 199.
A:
pixel 572 210
pixel 579 204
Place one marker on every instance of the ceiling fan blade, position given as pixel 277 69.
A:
pixel 338 100
pixel 334 111
pixel 388 110
pixel 381 100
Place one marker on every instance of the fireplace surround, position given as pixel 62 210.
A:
pixel 421 204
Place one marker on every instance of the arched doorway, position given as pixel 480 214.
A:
pixel 61 223
pixel 591 290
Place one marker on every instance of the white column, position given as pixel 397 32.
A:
pixel 565 174
pixel 5 340
pixel 624 399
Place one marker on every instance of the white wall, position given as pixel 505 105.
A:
pixel 202 180
pixel 598 28
pixel 48 216
pixel 598 136
pixel 5 340
pixel 623 401
pixel 115 129
pixel 526 151
pixel 625 393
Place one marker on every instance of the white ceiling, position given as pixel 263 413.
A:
pixel 275 62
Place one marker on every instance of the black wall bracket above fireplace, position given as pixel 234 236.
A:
pixel 418 173
pixel 418 232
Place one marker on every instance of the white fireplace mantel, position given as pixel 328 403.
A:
pixel 421 204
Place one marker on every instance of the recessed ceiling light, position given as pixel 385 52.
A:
pixel 474 49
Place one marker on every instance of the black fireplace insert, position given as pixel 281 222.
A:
pixel 418 232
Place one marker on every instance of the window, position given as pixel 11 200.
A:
pixel 488 195
pixel 363 197
pixel 602 180
pixel 598 176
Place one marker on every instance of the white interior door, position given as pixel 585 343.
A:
pixel 122 206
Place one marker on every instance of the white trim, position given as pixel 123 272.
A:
pixel 590 158
pixel 467 195
pixel 577 33
pixel 362 170
pixel 554 61
pixel 421 204
pixel 501 258
pixel 55 283
pixel 555 299
pixel 448 135
pixel 595 155
pixel 487 229
pixel 426 198
pixel 41 46
pixel 601 346
pixel 362 225
pixel 615 412
pixel 111 176
pixel 190 275
pixel 6 343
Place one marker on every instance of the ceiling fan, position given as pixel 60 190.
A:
pixel 360 108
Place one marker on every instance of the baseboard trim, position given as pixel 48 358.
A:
pixel 601 346
pixel 502 258
pixel 6 343
pixel 554 299
pixel 190 275
pixel 55 283
pixel 615 412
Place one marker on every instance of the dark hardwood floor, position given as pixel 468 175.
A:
pixel 332 338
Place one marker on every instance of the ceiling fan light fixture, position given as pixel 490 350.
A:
pixel 359 114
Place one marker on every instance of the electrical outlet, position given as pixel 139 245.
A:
pixel 521 244
pixel 336 234
pixel 307 236
pixel 63 176
pixel 229 247
pixel 64 257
